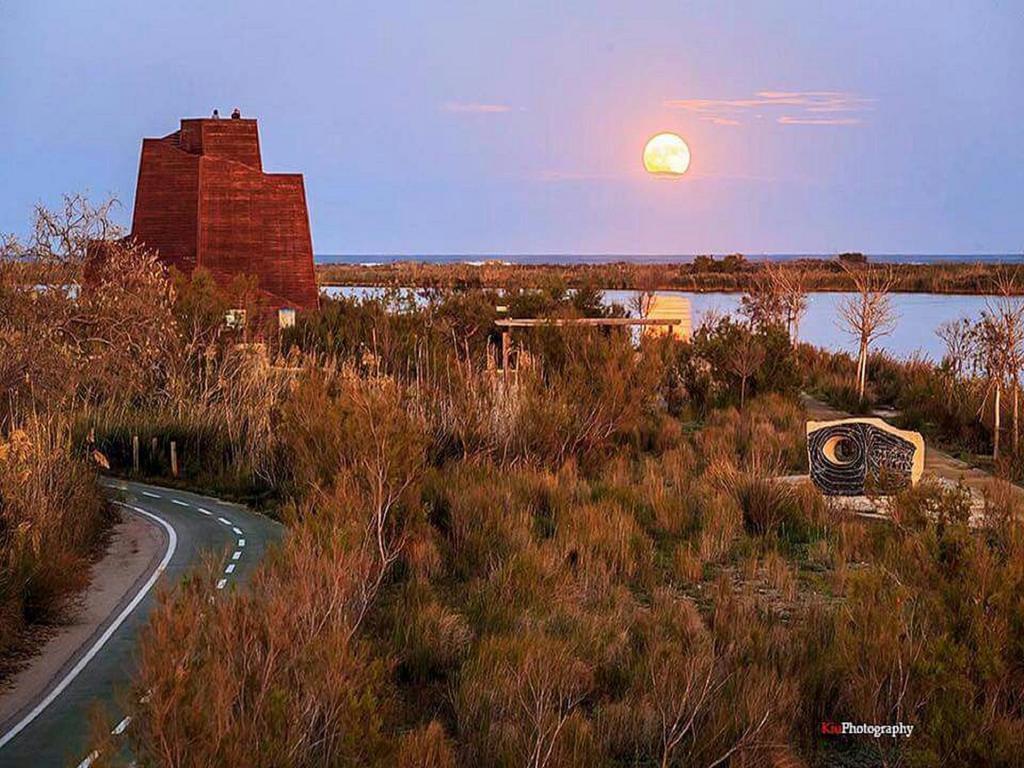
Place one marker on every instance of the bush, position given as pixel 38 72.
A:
pixel 520 701
pixel 52 516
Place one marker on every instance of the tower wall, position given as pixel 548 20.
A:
pixel 204 201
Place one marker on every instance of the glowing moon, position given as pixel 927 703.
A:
pixel 666 155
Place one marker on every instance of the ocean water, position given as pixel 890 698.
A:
pixel 918 317
pixel 610 258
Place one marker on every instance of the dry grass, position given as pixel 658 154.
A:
pixel 52 515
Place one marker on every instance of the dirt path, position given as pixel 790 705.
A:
pixel 135 545
pixel 936 463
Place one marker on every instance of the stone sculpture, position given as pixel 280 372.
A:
pixel 860 456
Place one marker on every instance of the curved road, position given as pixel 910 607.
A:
pixel 54 728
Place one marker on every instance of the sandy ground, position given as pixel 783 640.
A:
pixel 936 463
pixel 136 545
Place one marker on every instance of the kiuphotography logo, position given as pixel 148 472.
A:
pixel 894 730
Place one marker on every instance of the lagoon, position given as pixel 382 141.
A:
pixel 918 316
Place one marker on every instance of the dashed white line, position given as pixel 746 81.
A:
pixel 119 728
pixel 172 543
pixel 221 583
pixel 94 755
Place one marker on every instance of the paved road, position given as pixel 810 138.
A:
pixel 54 729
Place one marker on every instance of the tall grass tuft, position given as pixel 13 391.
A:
pixel 52 516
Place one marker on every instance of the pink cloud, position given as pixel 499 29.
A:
pixel 561 175
pixel 727 111
pixel 789 120
pixel 475 107
pixel 717 120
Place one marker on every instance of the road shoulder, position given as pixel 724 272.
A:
pixel 136 546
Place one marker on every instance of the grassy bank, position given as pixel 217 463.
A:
pixel 733 274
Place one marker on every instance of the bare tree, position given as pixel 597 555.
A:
pixel 992 363
pixel 1008 310
pixel 868 315
pixel 748 359
pixel 777 295
pixel 959 337
pixel 791 288
pixel 762 302
pixel 1000 356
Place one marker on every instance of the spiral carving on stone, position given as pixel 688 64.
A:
pixel 855 457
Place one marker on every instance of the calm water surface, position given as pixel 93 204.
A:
pixel 918 315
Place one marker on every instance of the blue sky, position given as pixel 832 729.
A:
pixel 443 127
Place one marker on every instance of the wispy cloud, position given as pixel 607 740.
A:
pixel 562 175
pixel 801 107
pixel 788 120
pixel 718 120
pixel 475 107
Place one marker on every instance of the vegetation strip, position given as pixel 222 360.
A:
pixel 172 542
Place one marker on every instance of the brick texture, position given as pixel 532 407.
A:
pixel 203 200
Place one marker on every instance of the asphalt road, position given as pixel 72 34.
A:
pixel 54 729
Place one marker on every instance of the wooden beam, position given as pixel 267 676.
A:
pixel 524 322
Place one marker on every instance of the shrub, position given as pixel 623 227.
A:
pixel 603 544
pixel 52 516
pixel 766 502
pixel 270 677
pixel 519 701
pixel 426 747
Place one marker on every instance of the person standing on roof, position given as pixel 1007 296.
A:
pixel 236 114
pixel 216 114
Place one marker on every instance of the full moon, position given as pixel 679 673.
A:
pixel 666 154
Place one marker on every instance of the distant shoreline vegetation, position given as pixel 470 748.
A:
pixel 729 274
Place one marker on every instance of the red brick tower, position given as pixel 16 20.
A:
pixel 203 200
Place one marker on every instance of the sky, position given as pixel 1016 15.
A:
pixel 505 128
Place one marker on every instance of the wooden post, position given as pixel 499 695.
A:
pixel 174 459
pixel 135 453
pixel 506 342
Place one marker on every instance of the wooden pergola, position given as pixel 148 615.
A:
pixel 508 323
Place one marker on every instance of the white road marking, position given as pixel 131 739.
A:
pixel 241 542
pixel 205 511
pixel 230 568
pixel 119 728
pixel 151 495
pixel 180 503
pixel 221 583
pixel 172 543
pixel 224 520
pixel 236 555
pixel 237 531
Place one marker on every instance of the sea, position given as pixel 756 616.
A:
pixel 612 258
